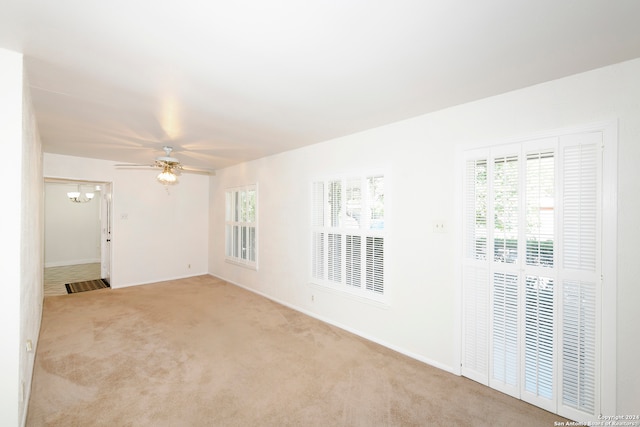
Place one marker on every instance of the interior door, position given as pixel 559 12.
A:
pixel 106 224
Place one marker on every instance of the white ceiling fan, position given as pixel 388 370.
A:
pixel 171 167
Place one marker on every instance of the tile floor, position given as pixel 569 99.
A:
pixel 56 277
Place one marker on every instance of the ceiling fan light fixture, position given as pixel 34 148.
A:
pixel 167 176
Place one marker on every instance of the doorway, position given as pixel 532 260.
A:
pixel 77 227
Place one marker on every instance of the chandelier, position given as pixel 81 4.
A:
pixel 79 197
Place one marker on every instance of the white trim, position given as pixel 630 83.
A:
pixel 236 260
pixel 355 292
pixel 458 237
pixel 601 125
pixel 609 268
pixel 163 280
pixel 368 337
pixel 72 262
pixel 354 296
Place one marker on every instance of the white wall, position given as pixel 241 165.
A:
pixel 72 230
pixel 156 234
pixel 21 231
pixel 420 160
pixel 10 221
pixel 32 249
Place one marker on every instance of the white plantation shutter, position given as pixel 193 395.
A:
pixel 475 356
pixel 539 366
pixel 375 202
pixel 353 194
pixel 241 226
pixel 318 208
pixel 352 220
pixel 354 260
pixel 579 205
pixel 539 337
pixel 318 256
pixel 505 337
pixel 578 346
pixel 334 250
pixel 580 272
pixel 335 203
pixel 506 210
pixel 347 238
pixel 531 308
pixel 335 257
pixel 505 353
pixel 318 235
pixel 475 343
pixel 539 194
pixel 375 264
pixel 476 209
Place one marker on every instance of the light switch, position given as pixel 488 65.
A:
pixel 439 226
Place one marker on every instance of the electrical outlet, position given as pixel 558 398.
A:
pixel 29 346
pixel 313 298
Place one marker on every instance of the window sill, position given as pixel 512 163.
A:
pixel 252 266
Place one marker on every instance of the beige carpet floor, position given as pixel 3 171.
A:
pixel 202 352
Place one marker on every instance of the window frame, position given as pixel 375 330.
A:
pixel 370 239
pixel 607 291
pixel 234 221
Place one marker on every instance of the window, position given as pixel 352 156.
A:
pixel 531 316
pixel 241 226
pixel 348 234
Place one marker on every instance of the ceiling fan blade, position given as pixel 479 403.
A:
pixel 124 165
pixel 196 170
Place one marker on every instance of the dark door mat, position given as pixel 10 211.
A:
pixel 88 285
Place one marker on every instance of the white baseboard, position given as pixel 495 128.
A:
pixel 71 262
pixel 383 343
pixel 126 285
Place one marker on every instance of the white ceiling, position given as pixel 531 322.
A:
pixel 229 81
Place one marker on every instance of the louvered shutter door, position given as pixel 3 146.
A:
pixel 540 204
pixel 505 339
pixel 580 273
pixel 539 338
pixel 532 267
pixel 475 343
pixel 539 371
pixel 475 363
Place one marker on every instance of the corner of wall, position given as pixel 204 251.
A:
pixel 31 250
